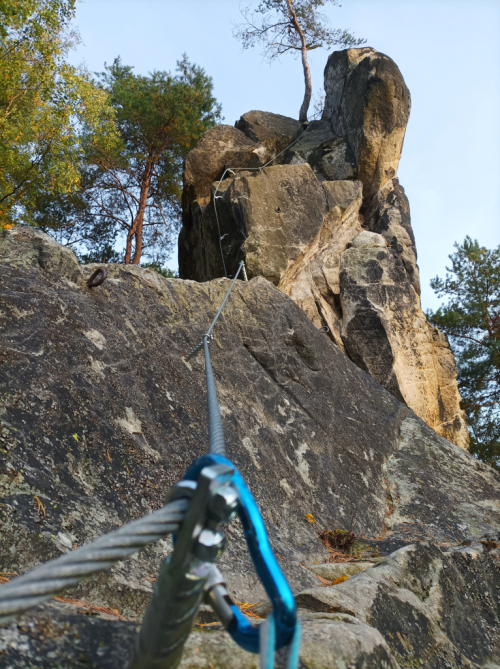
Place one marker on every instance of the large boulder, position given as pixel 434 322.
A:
pixel 273 131
pixel 363 285
pixel 368 104
pixel 220 147
pixel 279 208
pixel 100 416
pixel 433 608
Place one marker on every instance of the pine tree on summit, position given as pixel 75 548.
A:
pixel 281 26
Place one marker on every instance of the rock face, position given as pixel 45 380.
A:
pixel 280 208
pixel 313 280
pixel 433 609
pixel 418 607
pixel 99 415
pixel 219 147
pixel 331 228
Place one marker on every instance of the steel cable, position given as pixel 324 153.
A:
pixel 216 435
pixel 208 334
pixel 44 581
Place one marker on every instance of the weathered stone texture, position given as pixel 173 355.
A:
pixel 433 609
pixel 368 104
pixel 220 147
pixel 99 415
pixel 53 637
pixel 278 221
pixel 386 333
pixel 273 131
pixel 417 607
pixel 313 280
pixel 266 218
pixel 328 155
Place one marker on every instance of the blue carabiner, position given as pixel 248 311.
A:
pixel 266 566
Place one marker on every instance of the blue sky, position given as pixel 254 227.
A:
pixel 447 50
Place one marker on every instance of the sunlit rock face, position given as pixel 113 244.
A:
pixel 329 224
pixel 367 103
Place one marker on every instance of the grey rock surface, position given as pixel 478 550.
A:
pixel 99 416
pixel 265 219
pixel 220 147
pixel 56 636
pixel 328 155
pixel 433 609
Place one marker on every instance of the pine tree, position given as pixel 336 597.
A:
pixel 292 26
pixel 471 320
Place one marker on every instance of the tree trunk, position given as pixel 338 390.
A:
pixel 128 248
pixel 305 64
pixel 138 242
pixel 136 227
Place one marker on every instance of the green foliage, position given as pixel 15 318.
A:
pixel 130 189
pixel 164 271
pixel 271 26
pixel 92 162
pixel 100 253
pixel 43 101
pixel 297 26
pixel 471 319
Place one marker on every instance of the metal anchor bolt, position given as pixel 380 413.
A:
pixel 222 506
pixel 210 545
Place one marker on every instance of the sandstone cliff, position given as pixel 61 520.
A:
pixel 329 224
pixel 99 415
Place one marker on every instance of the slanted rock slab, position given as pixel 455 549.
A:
pixel 100 415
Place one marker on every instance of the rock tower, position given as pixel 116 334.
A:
pixel 329 224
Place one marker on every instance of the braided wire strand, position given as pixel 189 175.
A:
pixel 216 434
pixel 69 569
pixel 199 346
